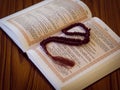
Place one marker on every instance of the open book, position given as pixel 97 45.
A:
pixel 100 56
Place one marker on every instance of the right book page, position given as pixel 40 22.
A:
pixel 103 44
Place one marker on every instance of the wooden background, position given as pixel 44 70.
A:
pixel 16 70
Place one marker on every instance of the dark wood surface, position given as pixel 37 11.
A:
pixel 16 70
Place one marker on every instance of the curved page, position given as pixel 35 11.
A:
pixel 44 19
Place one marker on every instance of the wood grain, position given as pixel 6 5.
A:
pixel 16 70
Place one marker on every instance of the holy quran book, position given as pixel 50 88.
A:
pixel 93 60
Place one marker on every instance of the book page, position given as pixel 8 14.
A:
pixel 103 43
pixel 45 20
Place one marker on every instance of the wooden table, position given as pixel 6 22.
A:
pixel 16 70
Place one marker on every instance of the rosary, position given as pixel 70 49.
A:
pixel 68 41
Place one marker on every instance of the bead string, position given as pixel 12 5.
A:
pixel 68 41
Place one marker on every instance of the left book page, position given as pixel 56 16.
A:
pixel 28 27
